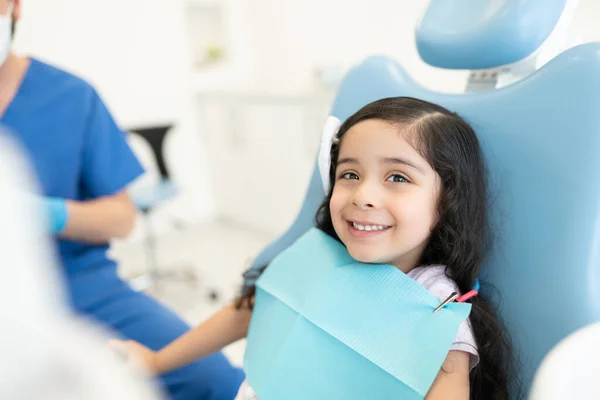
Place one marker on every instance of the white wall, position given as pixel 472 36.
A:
pixel 292 37
pixel 135 53
pixel 134 50
pixel 586 20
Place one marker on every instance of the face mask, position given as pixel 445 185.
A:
pixel 5 33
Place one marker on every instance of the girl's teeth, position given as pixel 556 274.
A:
pixel 369 227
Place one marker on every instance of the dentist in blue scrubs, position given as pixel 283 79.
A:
pixel 84 164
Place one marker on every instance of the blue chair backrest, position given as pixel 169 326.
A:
pixel 541 140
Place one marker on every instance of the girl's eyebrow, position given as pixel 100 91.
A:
pixel 385 160
pixel 403 161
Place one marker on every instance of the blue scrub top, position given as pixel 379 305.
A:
pixel 75 146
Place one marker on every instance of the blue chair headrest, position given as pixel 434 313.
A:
pixel 482 34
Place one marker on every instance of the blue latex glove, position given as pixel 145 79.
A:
pixel 56 212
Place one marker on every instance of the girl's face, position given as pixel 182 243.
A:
pixel 385 196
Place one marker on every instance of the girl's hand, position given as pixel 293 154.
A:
pixel 136 353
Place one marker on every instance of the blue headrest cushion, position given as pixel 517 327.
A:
pixel 481 34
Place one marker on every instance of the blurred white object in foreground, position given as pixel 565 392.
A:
pixel 570 370
pixel 45 352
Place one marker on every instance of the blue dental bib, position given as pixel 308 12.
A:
pixel 328 327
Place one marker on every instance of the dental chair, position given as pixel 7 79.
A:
pixel 147 198
pixel 535 105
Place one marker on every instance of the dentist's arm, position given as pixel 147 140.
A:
pixel 92 221
pixel 100 220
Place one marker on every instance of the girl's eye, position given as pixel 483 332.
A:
pixel 397 178
pixel 349 175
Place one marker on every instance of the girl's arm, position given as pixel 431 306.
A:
pixel 452 382
pixel 223 328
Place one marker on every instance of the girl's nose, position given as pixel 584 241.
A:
pixel 365 197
